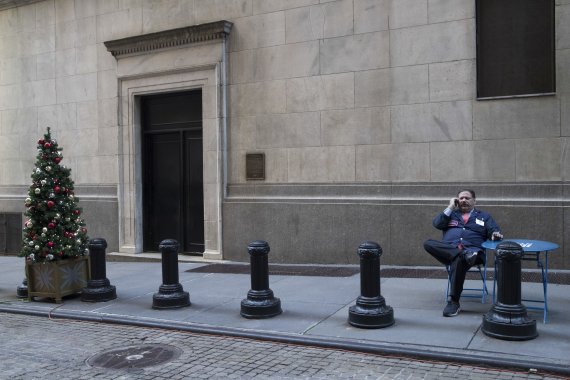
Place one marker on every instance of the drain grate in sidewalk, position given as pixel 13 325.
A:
pixel 320 270
pixel 562 278
pixel 282 270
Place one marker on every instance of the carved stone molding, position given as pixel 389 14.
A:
pixel 169 38
pixel 183 59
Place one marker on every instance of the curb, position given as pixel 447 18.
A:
pixel 525 364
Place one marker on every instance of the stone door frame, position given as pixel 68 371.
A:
pixel 176 60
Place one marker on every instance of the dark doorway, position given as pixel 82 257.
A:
pixel 173 197
pixel 10 233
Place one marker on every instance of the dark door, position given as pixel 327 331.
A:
pixel 10 233
pixel 173 198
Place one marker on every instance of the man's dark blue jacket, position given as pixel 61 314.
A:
pixel 472 234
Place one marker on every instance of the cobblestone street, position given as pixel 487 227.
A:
pixel 40 348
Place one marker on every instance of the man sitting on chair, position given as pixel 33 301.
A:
pixel 464 230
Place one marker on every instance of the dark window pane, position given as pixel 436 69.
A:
pixel 515 47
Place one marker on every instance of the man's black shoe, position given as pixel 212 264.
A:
pixel 451 309
pixel 470 257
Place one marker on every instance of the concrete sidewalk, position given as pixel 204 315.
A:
pixel 315 312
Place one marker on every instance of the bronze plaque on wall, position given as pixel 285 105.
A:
pixel 255 166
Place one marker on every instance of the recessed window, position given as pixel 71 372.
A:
pixel 515 48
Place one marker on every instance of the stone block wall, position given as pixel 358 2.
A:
pixel 337 91
pixel 339 95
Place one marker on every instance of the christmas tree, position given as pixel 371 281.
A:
pixel 54 229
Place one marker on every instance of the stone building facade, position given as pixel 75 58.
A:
pixel 360 118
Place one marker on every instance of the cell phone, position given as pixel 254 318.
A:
pixel 456 201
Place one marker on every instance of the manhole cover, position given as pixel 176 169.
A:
pixel 144 355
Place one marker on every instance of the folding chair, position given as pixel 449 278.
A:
pixel 472 292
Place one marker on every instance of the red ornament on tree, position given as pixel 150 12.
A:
pixel 76 212
pixel 50 204
pixel 41 142
pixel 57 160
pixel 50 244
pixel 47 145
pixel 57 189
pixel 51 226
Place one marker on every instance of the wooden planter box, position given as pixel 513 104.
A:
pixel 57 279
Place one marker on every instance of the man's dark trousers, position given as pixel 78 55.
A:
pixel 448 254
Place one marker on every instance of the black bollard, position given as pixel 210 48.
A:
pixel 260 302
pixel 98 289
pixel 508 318
pixel 22 289
pixel 170 294
pixel 370 310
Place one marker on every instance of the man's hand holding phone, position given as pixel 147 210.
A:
pixel 453 204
